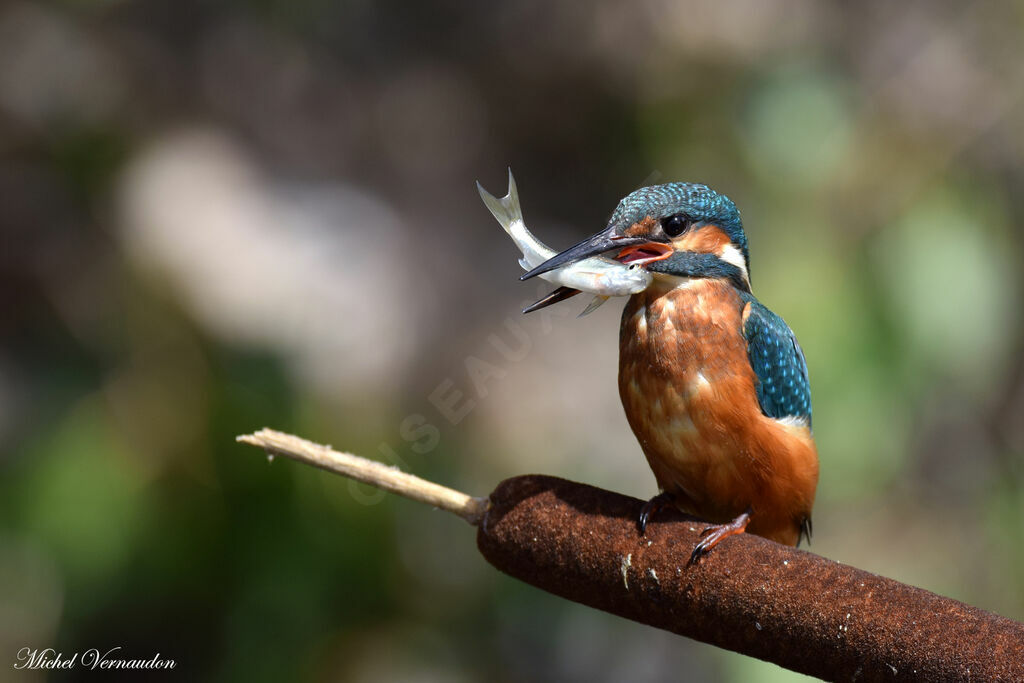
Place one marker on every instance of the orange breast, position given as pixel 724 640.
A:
pixel 689 394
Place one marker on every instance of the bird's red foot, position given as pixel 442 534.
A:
pixel 713 535
pixel 651 508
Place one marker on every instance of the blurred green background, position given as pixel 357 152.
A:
pixel 223 216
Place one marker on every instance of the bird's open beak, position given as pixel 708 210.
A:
pixel 641 254
pixel 606 240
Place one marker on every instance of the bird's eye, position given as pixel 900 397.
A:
pixel 674 226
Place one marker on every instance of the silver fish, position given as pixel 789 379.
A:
pixel 597 275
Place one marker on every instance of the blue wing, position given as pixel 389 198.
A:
pixel 783 388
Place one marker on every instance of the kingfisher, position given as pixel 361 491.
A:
pixel 714 384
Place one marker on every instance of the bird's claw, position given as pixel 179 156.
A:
pixel 651 508
pixel 714 534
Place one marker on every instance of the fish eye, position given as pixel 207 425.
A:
pixel 674 226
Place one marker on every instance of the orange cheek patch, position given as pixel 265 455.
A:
pixel 641 229
pixel 708 239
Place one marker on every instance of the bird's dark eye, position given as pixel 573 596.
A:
pixel 674 226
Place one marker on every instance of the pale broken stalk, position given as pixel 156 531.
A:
pixel 370 472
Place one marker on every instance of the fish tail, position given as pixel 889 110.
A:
pixel 506 210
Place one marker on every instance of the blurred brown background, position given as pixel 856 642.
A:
pixel 220 216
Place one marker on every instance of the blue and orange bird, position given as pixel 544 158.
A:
pixel 714 384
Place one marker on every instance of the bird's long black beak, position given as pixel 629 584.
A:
pixel 560 294
pixel 606 240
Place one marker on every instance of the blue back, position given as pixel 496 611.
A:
pixel 783 388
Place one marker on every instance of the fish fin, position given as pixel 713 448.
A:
pixel 594 304
pixel 505 210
